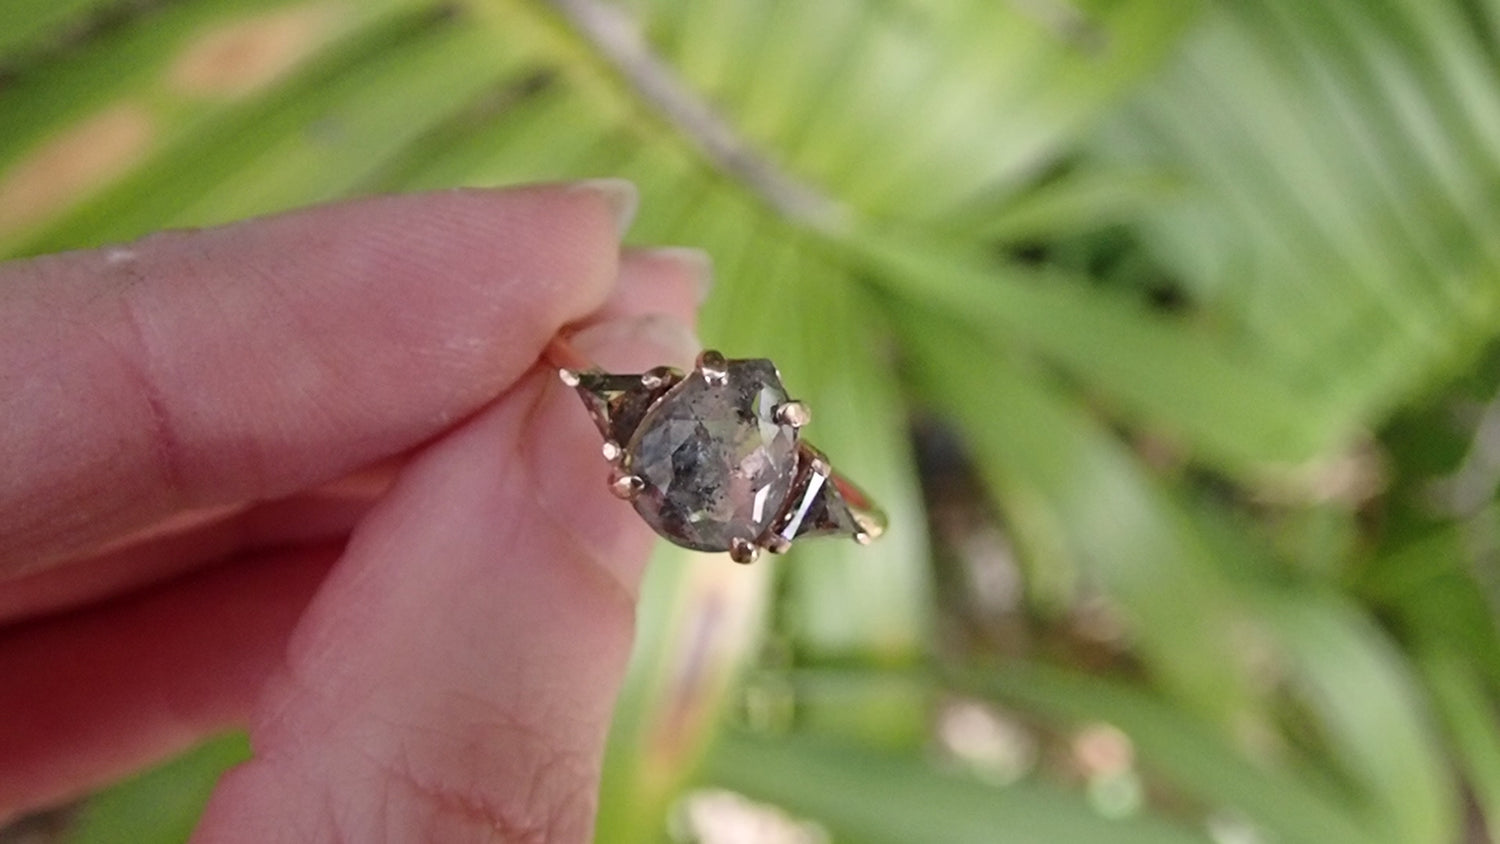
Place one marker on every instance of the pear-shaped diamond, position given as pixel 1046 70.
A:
pixel 715 462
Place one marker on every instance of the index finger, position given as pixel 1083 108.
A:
pixel 197 368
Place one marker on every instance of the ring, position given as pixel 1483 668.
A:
pixel 713 459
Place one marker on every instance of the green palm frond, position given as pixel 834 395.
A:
pixel 1195 284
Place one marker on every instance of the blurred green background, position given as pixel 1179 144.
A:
pixel 1164 329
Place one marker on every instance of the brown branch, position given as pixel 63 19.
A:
pixel 617 38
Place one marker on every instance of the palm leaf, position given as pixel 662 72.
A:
pixel 1311 183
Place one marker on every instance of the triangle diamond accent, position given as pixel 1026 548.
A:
pixel 816 507
pixel 618 403
pixel 827 513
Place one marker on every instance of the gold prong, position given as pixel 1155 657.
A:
pixel 777 544
pixel 793 413
pixel 569 377
pixel 871 526
pixel 612 450
pixel 713 366
pixel 661 376
pixel 743 551
pixel 626 486
pixel 821 466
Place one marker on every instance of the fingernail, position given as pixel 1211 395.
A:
pixel 639 343
pixel 621 194
pixel 696 261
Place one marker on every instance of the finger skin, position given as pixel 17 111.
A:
pixel 657 280
pixel 191 541
pixel 201 368
pixel 91 697
pixel 455 678
pixel 78 712
pixel 650 281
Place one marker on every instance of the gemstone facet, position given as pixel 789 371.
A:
pixel 712 459
pixel 716 463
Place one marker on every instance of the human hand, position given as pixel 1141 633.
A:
pixel 307 474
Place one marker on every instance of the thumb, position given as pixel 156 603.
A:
pixel 454 678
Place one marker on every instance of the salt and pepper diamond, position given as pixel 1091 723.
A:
pixel 711 458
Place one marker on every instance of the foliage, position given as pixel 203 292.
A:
pixel 1188 305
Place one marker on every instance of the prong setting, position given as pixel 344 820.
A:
pixel 870 528
pixel 713 367
pixel 659 377
pixel 743 551
pixel 742 431
pixel 777 544
pixel 626 486
pixel 793 413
